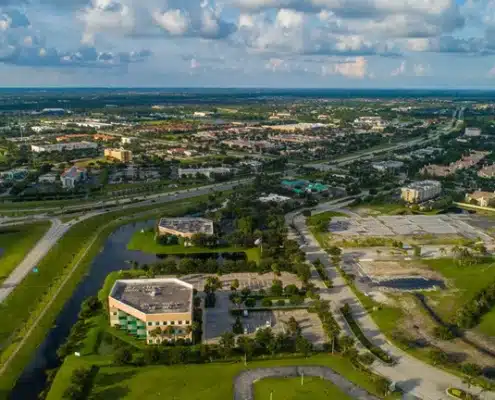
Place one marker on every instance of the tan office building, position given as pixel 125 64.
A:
pixel 154 310
pixel 122 155
pixel 418 192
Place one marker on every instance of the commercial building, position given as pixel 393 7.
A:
pixel 384 166
pixel 185 227
pixel 482 199
pixel 154 310
pixel 72 176
pixel 122 155
pixel 300 186
pixel 48 178
pixel 420 191
pixel 127 140
pixel 208 172
pixel 46 148
pixel 275 198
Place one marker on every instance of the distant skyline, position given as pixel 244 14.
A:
pixel 445 44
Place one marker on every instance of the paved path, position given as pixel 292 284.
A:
pixel 411 375
pixel 243 383
pixel 34 256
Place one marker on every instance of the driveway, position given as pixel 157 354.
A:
pixel 243 383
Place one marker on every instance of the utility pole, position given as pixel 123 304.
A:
pixel 302 378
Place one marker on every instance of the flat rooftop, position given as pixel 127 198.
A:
pixel 154 296
pixel 188 225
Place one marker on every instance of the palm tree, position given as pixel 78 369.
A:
pixel 443 252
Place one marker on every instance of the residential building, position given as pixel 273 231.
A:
pixel 72 176
pixel 303 126
pixel 487 172
pixel 185 227
pixel 482 199
pixel 420 191
pixel 155 310
pixel 465 162
pixel 472 132
pixel 122 155
pixel 69 146
pixel 17 174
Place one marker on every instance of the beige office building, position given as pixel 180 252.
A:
pixel 185 227
pixel 122 155
pixel 154 310
pixel 418 192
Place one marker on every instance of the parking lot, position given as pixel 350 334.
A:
pixel 219 320
pixel 251 280
pixel 446 224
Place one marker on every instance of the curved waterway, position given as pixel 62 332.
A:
pixel 112 258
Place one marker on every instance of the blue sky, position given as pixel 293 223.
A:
pixel 248 43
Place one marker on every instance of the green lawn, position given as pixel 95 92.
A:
pixel 145 241
pixel 16 242
pixel 487 324
pixel 463 284
pixel 291 389
pixel 190 382
pixel 384 209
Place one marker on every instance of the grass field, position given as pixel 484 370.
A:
pixel 314 219
pixel 16 242
pixel 382 209
pixel 291 389
pixel 145 241
pixel 30 298
pixel 487 324
pixel 463 284
pixel 190 382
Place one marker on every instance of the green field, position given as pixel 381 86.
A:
pixel 463 284
pixel 189 382
pixel 383 209
pixel 145 241
pixel 314 219
pixel 16 242
pixel 291 389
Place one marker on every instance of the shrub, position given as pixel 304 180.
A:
pixel 280 302
pixel 266 303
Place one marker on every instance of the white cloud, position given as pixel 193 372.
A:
pixel 354 68
pixel 421 69
pixel 175 22
pixel 400 70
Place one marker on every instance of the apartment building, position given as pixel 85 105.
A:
pixel 122 155
pixel 69 146
pixel 420 191
pixel 155 310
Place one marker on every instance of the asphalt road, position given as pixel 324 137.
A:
pixel 412 375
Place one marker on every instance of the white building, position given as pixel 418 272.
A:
pixel 72 176
pixel 46 148
pixel 274 197
pixel 387 165
pixel 127 140
pixel 420 191
pixel 48 178
pixel 472 132
pixel 203 171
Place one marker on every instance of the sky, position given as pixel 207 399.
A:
pixel 248 43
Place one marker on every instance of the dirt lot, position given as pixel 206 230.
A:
pixel 388 269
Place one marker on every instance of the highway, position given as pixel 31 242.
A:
pixel 413 376
pixel 58 229
pixel 341 161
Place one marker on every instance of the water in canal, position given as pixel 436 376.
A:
pixel 113 257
